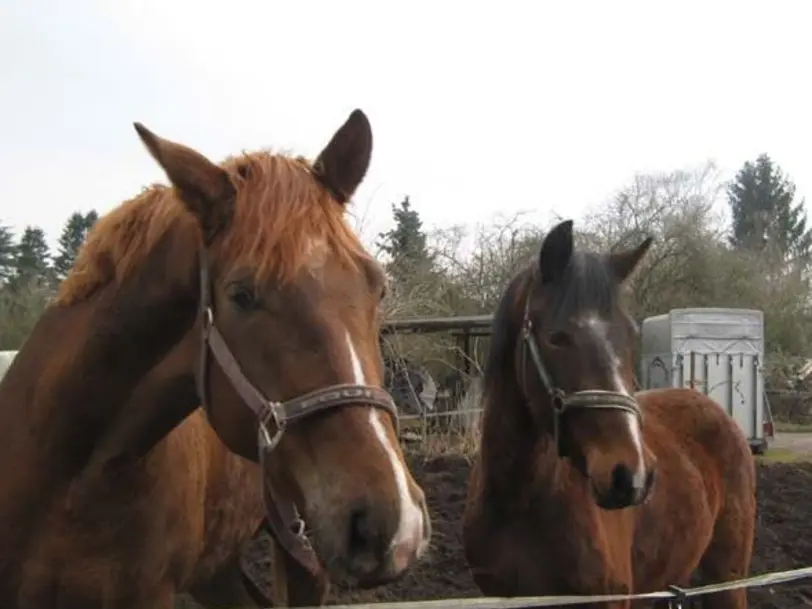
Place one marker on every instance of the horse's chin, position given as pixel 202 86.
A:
pixel 358 574
pixel 609 503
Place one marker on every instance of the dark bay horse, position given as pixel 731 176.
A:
pixel 579 486
pixel 241 286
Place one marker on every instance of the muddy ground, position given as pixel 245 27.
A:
pixel 783 538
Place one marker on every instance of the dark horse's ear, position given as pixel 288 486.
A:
pixel 556 251
pixel 623 263
pixel 344 161
pixel 204 188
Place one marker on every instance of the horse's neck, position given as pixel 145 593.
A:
pixel 515 451
pixel 163 398
pixel 81 362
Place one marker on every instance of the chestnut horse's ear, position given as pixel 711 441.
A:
pixel 556 251
pixel 624 263
pixel 344 161
pixel 204 188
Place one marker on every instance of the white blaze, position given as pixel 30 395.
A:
pixel 598 328
pixel 410 525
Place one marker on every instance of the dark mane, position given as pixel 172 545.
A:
pixel 588 285
pixel 505 328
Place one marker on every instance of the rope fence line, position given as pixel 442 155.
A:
pixel 675 595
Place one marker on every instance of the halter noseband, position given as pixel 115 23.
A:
pixel 589 399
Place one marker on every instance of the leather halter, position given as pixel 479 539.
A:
pixel 589 399
pixel 283 517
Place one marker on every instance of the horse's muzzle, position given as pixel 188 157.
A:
pixel 623 492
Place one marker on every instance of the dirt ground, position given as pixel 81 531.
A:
pixel 783 538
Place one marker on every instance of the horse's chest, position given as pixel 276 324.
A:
pixel 671 534
pixel 127 533
pixel 563 552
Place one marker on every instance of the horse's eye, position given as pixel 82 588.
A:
pixel 243 297
pixel 560 340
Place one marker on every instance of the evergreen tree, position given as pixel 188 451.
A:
pixel 765 214
pixel 70 241
pixel 32 259
pixel 8 254
pixel 406 244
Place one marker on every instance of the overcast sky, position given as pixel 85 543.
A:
pixel 477 108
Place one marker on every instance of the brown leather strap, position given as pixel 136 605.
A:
pixel 606 400
pixel 299 407
pixel 205 313
pixel 229 365
pixel 284 522
pixel 336 396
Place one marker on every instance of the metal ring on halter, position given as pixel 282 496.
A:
pixel 299 528
pixel 266 440
pixel 208 318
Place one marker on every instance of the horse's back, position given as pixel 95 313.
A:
pixel 689 421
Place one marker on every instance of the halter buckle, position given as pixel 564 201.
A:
pixel 298 528
pixel 208 319
pixel 266 440
pixel 559 400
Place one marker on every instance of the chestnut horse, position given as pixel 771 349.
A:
pixel 241 287
pixel 562 497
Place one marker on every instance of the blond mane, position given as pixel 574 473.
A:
pixel 280 212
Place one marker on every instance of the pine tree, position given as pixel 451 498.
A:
pixel 71 240
pixel 32 259
pixel 8 254
pixel 406 244
pixel 765 214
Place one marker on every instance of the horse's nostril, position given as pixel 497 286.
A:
pixel 360 532
pixel 622 480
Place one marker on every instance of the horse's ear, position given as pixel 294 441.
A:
pixel 344 161
pixel 623 263
pixel 204 188
pixel 556 251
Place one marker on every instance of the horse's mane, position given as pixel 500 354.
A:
pixel 505 328
pixel 281 211
pixel 587 285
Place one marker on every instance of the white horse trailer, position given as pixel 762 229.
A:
pixel 717 351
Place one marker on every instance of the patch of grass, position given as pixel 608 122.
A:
pixel 784 455
pixel 787 427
